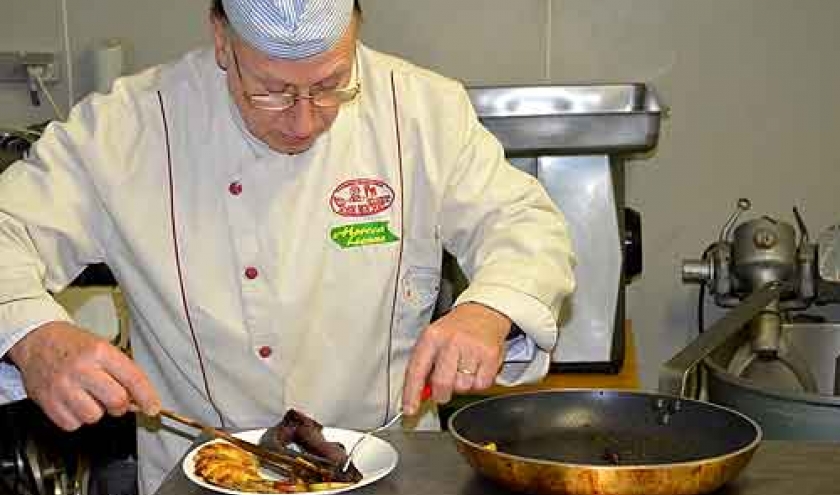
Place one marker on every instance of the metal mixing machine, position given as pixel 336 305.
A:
pixel 766 357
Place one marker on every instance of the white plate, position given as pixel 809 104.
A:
pixel 374 458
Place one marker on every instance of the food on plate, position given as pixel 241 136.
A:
pixel 297 436
pixel 296 428
pixel 330 485
pixel 228 466
pixel 490 446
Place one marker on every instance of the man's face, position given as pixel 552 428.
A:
pixel 250 72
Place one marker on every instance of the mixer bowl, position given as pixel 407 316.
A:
pixel 769 392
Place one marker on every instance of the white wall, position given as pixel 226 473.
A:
pixel 752 84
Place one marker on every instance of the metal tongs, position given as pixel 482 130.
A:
pixel 288 463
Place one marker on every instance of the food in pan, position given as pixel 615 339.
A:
pixel 297 436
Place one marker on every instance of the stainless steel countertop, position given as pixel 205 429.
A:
pixel 430 464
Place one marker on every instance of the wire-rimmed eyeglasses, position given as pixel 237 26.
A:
pixel 279 101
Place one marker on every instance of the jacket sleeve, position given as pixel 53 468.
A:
pixel 51 225
pixel 510 240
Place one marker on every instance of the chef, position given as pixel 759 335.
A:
pixel 274 210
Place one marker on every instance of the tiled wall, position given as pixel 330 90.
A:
pixel 752 85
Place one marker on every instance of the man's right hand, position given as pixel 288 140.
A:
pixel 76 376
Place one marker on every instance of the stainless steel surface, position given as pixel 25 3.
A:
pixel 753 254
pixel 819 345
pixel 574 140
pixel 764 251
pixel 698 271
pixel 600 119
pixel 673 376
pixel 429 464
pixel 769 391
pixel 778 364
pixel 583 187
pixel 785 379
pixel 766 331
pixel 782 415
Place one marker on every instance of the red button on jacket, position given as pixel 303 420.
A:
pixel 251 273
pixel 235 188
pixel 265 351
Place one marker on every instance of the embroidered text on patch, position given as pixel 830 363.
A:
pixel 362 234
pixel 361 197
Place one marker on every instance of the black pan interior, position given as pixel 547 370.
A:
pixel 598 427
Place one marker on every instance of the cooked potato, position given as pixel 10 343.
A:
pixel 333 485
pixel 228 466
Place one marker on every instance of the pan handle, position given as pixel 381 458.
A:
pixel 673 376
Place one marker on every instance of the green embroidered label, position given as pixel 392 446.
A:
pixel 362 234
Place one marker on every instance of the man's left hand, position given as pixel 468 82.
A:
pixel 460 352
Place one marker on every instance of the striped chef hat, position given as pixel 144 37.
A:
pixel 289 29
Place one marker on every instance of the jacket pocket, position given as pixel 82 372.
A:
pixel 420 287
pixel 419 284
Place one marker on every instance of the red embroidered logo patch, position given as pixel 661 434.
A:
pixel 361 198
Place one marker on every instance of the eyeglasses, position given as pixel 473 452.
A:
pixel 279 101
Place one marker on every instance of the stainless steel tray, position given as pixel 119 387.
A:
pixel 570 119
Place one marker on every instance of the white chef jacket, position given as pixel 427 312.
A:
pixel 259 281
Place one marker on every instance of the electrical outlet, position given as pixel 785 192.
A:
pixel 13 66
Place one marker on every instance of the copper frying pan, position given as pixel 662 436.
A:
pixel 587 442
